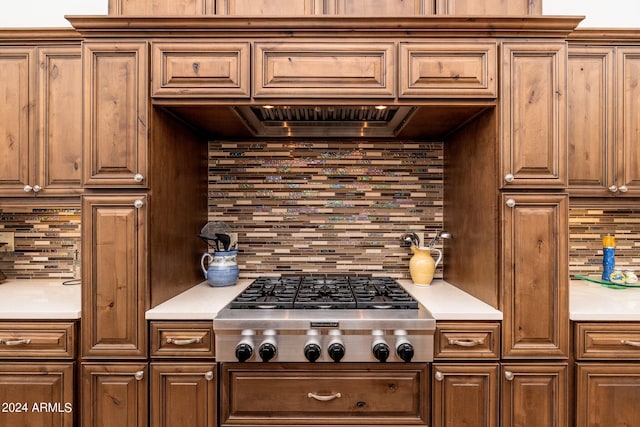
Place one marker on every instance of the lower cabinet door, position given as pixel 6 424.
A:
pixel 607 394
pixel 534 395
pixel 33 394
pixel 183 394
pixel 324 394
pixel 114 394
pixel 465 395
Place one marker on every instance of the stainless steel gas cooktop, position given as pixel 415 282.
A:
pixel 324 319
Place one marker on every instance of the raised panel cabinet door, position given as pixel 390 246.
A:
pixel 115 114
pixel 590 120
pixel 184 394
pixel 607 394
pixel 161 7
pixel 37 394
pixel 17 83
pixel 59 120
pixel 535 276
pixel 534 395
pixel 114 284
pixel 489 7
pixel 534 115
pixel 465 395
pixel 114 394
pixel 628 93
pixel 269 7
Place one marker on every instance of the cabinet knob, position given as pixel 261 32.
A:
pixel 439 376
pixel 509 375
pixel 139 375
pixel 208 376
pixel 27 188
pixel 623 189
pixel 613 188
pixel 36 188
pixel 511 203
pixel 509 177
pixel 138 204
pixel 138 177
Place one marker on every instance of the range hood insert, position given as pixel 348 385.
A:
pixel 324 121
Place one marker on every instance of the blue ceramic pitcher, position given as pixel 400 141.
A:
pixel 222 269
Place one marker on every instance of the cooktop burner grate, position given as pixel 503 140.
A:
pixel 324 292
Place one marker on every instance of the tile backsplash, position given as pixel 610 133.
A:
pixel 47 242
pixel 325 206
pixel 586 228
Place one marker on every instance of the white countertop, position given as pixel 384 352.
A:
pixel 39 300
pixel 444 301
pixel 594 302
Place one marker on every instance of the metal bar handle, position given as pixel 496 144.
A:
pixel 185 341
pixel 19 341
pixel 466 342
pixel 631 343
pixel 322 398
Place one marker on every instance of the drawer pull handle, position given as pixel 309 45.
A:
pixel 322 398
pixel 178 341
pixel 21 341
pixel 468 342
pixel 631 343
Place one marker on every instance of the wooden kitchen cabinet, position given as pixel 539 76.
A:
pixel 535 276
pixel 184 393
pixel 467 341
pixel 324 394
pixel 489 7
pixel 115 274
pixel 534 115
pixel 604 141
pixel 171 339
pixel 534 395
pixel 114 394
pixel 37 340
pixel 116 114
pixel 37 394
pixel 41 120
pixel 161 7
pixel 465 395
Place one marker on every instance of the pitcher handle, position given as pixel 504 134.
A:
pixel 205 255
pixel 439 255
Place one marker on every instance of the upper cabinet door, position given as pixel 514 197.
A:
pixel 59 120
pixel 17 80
pixel 534 114
pixel 628 94
pixel 115 114
pixel 590 120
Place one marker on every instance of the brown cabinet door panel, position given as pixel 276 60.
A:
pixel 628 92
pixel 534 395
pixel 535 276
pixel 534 152
pixel 269 7
pixel 489 7
pixel 380 7
pixel 465 395
pixel 114 276
pixel 161 7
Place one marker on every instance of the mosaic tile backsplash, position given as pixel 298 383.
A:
pixel 47 243
pixel 586 228
pixel 329 207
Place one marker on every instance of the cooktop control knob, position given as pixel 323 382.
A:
pixel 404 349
pixel 244 349
pixel 380 348
pixel 268 349
pixel 336 347
pixel 312 351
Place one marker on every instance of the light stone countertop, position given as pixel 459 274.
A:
pixel 40 299
pixel 203 302
pixel 594 302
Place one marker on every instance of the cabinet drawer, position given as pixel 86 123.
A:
pixel 326 70
pixel 51 340
pixel 607 340
pixel 467 341
pixel 182 339
pixel 201 69
pixel 314 394
pixel 443 70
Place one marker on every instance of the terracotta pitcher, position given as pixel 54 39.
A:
pixel 422 266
